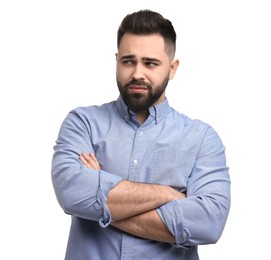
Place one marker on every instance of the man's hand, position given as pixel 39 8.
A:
pixel 132 205
pixel 128 199
pixel 90 161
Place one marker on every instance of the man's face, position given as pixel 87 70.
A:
pixel 143 70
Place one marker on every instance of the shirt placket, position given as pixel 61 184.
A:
pixel 128 250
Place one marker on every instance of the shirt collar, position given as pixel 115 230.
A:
pixel 157 111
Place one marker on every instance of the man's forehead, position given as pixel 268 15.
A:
pixel 142 46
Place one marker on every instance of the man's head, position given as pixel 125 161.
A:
pixel 147 22
pixel 145 59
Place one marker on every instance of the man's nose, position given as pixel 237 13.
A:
pixel 138 73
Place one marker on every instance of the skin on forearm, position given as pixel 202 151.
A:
pixel 147 225
pixel 129 199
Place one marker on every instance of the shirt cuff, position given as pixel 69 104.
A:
pixel 172 217
pixel 106 183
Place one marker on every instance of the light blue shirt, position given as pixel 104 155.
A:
pixel 168 148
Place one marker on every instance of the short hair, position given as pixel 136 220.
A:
pixel 147 22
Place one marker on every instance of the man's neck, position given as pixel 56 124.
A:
pixel 142 116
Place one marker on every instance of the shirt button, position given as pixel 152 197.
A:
pixel 141 133
pixel 135 161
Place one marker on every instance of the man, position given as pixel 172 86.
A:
pixel 140 180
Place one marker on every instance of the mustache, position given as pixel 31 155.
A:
pixel 138 82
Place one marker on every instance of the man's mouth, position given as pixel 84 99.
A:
pixel 138 88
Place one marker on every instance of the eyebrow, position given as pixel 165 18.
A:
pixel 127 57
pixel 133 57
pixel 152 60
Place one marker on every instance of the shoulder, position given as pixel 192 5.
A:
pixel 193 128
pixel 85 116
pixel 94 111
pixel 188 122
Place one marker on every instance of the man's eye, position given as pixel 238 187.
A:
pixel 127 62
pixel 151 64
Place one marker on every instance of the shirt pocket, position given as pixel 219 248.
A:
pixel 172 167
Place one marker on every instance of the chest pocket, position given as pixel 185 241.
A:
pixel 172 167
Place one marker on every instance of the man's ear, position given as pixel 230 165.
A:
pixel 116 56
pixel 173 68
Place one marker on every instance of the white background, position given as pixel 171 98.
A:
pixel 57 55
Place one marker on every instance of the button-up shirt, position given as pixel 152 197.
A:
pixel 169 148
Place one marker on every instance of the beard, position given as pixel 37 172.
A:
pixel 140 102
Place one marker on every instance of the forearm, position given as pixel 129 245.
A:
pixel 147 225
pixel 129 199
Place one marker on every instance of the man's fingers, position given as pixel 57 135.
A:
pixel 84 160
pixel 90 161
pixel 93 157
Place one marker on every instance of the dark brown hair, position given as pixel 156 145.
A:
pixel 147 22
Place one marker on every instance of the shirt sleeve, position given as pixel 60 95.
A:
pixel 200 218
pixel 80 191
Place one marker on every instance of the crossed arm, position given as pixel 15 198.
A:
pixel 132 205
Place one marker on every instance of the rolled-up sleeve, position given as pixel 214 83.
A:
pixel 200 218
pixel 80 191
